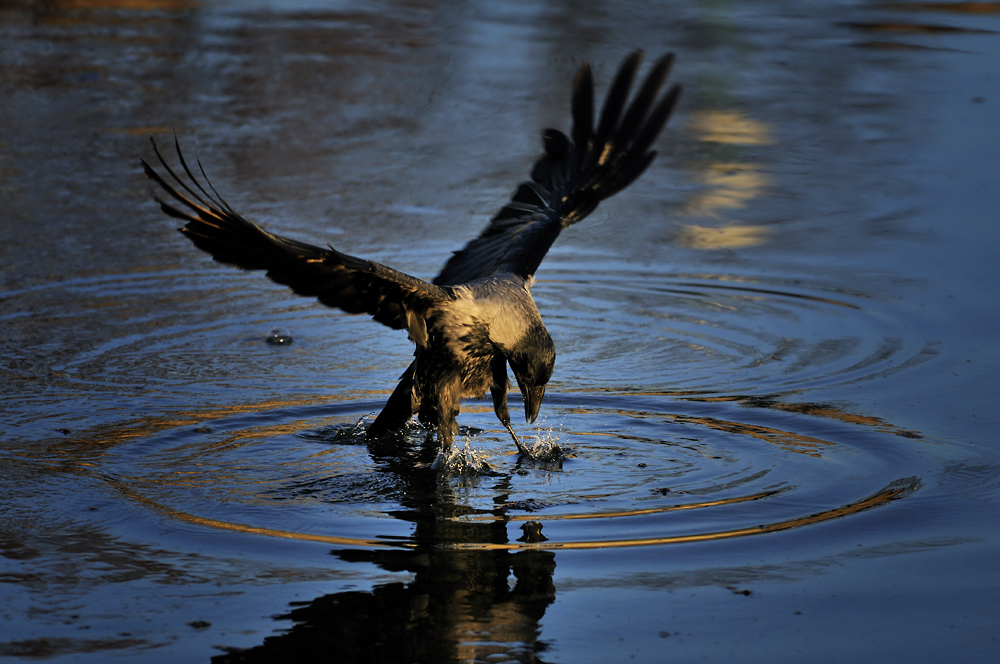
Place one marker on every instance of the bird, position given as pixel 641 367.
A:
pixel 477 317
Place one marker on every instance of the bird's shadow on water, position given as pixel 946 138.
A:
pixel 458 604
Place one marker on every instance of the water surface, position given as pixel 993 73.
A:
pixel 775 388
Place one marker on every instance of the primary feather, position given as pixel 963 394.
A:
pixel 573 176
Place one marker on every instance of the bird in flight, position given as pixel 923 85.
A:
pixel 477 316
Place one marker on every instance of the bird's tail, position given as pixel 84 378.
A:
pixel 595 163
pixel 397 410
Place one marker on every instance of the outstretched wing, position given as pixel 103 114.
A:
pixel 336 279
pixel 574 174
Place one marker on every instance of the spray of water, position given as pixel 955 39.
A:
pixel 462 460
pixel 545 448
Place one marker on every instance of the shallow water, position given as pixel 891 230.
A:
pixel 774 401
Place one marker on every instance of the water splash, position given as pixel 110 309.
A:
pixel 462 460
pixel 545 449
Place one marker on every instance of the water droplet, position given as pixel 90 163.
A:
pixel 545 448
pixel 461 461
pixel 279 336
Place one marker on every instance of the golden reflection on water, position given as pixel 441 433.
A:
pixel 728 184
pixel 145 427
pixel 814 410
pixel 729 237
pixel 893 491
pixel 143 130
pixel 139 5
pixel 622 513
pixel 958 6
pixel 732 127
pixel 802 408
pixel 786 440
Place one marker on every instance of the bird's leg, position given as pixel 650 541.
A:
pixel 447 415
pixel 498 390
pixel 520 448
pixel 500 408
pixel 447 427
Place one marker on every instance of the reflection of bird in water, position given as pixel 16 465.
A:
pixel 478 315
pixel 456 603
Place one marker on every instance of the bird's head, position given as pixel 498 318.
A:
pixel 532 359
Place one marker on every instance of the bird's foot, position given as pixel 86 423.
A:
pixel 520 448
pixel 545 450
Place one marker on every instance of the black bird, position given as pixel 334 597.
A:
pixel 478 315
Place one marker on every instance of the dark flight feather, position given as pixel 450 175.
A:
pixel 573 176
pixel 352 284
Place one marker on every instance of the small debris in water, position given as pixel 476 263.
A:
pixel 279 336
pixel 532 532
pixel 199 624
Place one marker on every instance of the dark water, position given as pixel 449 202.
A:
pixel 776 381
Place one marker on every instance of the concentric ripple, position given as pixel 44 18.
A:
pixel 682 403
pixel 664 471
pixel 722 332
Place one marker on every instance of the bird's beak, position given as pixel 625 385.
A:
pixel 532 402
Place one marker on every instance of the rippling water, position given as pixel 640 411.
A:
pixel 771 429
